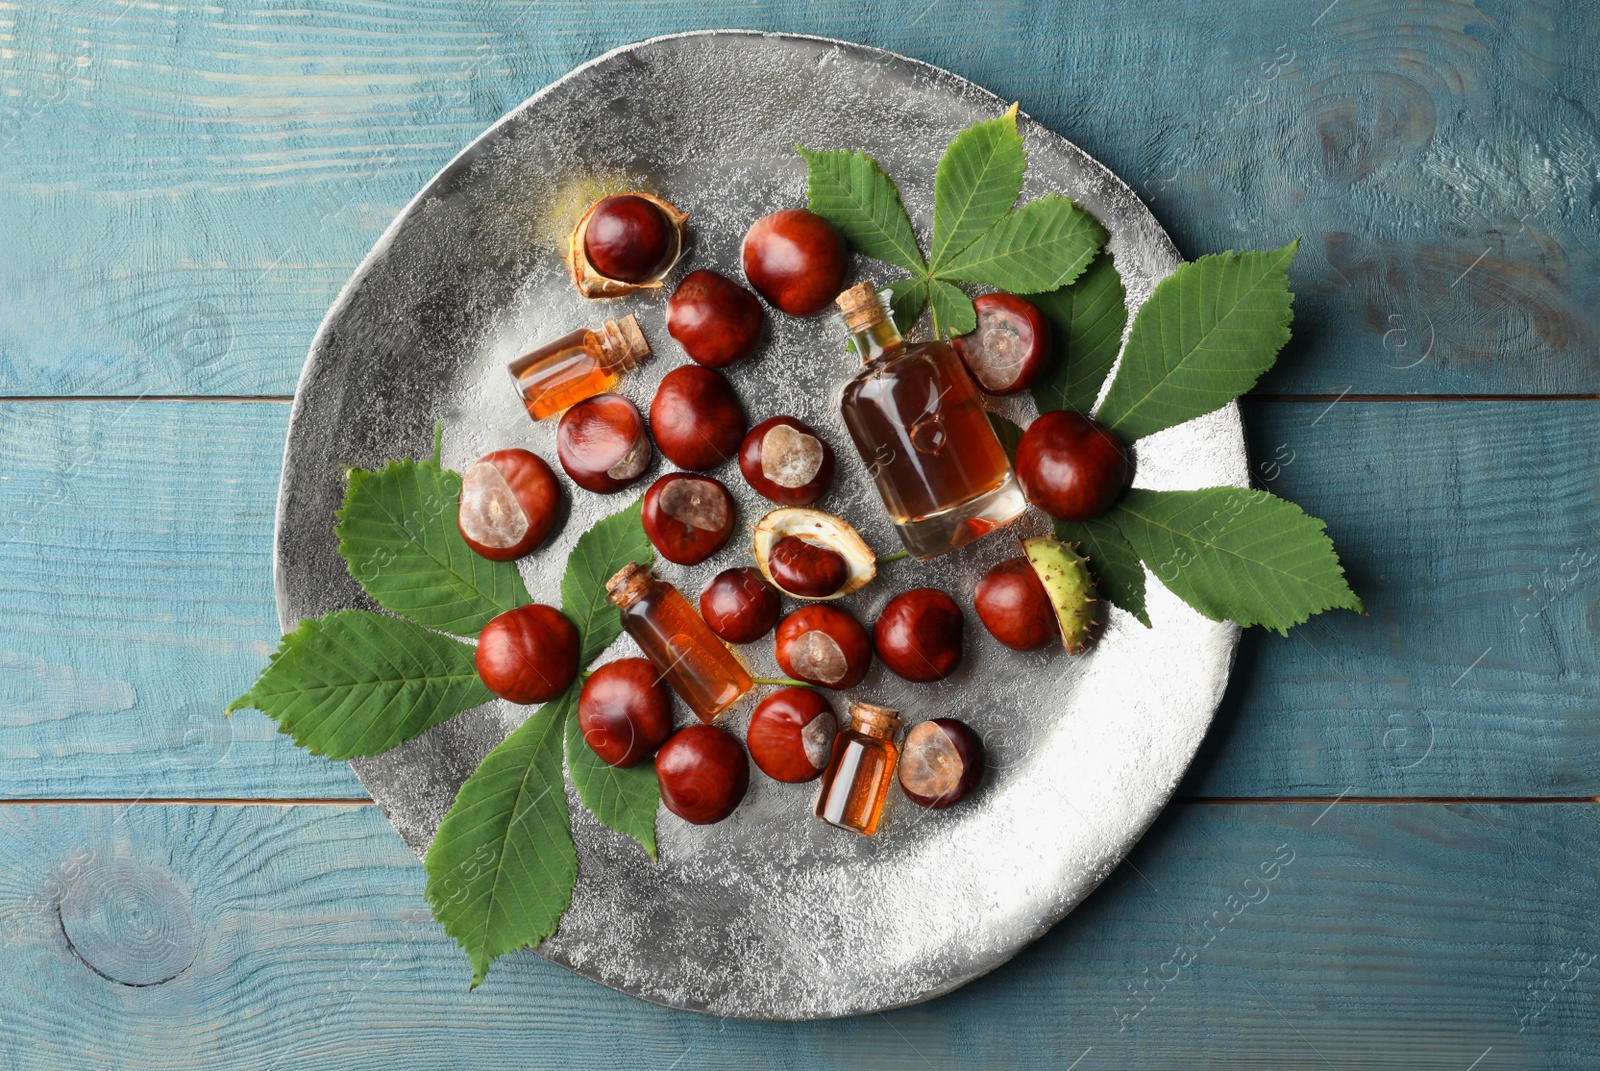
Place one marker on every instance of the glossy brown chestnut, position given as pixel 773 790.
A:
pixel 528 655
pixel 703 773
pixel 687 518
pixel 791 734
pixel 824 645
pixel 1014 607
pixel 714 319
pixel 602 444
pixel 1009 347
pixel 796 260
pixel 807 569
pixel 739 605
pixel 786 461
pixel 625 711
pixel 630 239
pixel 696 417
pixel 918 635
pixel 940 763
pixel 508 504
pixel 1071 467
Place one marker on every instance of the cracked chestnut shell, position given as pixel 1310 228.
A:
pixel 941 762
pixel 624 711
pixel 787 462
pixel 687 518
pixel 508 504
pixel 623 243
pixel 528 655
pixel 1014 607
pixel 796 260
pixel 800 565
pixel 739 605
pixel 918 635
pixel 703 773
pixel 696 417
pixel 1010 346
pixel 791 734
pixel 1070 466
pixel 602 444
pixel 824 645
pixel 714 319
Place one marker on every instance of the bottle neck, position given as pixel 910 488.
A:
pixel 874 341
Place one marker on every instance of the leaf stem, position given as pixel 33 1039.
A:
pixel 438 439
pixel 896 556
pixel 782 680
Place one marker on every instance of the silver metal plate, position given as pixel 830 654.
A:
pixel 770 914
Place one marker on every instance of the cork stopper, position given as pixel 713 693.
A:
pixel 861 306
pixel 625 588
pixel 623 343
pixel 869 720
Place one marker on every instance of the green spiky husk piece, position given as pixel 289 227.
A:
pixel 1065 575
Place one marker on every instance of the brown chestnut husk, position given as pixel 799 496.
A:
pixel 508 504
pixel 823 645
pixel 602 444
pixel 823 530
pixel 941 762
pixel 787 462
pixel 635 253
pixel 687 517
pixel 696 417
pixel 791 735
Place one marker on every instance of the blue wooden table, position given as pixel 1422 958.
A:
pixel 185 189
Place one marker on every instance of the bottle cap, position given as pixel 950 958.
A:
pixel 874 721
pixel 623 344
pixel 861 307
pixel 628 584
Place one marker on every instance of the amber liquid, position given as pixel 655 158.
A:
pixel 697 665
pixel 557 376
pixel 857 782
pixel 919 424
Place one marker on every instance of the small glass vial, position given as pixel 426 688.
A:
pixel 699 667
pixel 563 373
pixel 857 778
pixel 919 424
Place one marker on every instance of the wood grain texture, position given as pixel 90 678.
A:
pixel 137 603
pixel 189 186
pixel 1282 936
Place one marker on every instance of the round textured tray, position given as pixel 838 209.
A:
pixel 770 914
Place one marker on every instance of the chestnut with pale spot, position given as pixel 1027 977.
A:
pixel 791 735
pixel 787 462
pixel 687 518
pixel 602 444
pixel 508 504
pixel 824 645
pixel 1010 346
pixel 941 762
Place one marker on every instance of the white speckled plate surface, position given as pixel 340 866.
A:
pixel 770 914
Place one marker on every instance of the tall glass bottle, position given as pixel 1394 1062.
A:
pixel 562 373
pixel 919 424
pixel 698 666
pixel 857 778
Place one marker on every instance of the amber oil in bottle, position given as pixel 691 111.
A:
pixel 919 424
pixel 698 666
pixel 580 365
pixel 858 774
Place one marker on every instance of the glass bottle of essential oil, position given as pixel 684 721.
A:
pixel 919 424
pixel 563 373
pixel 699 667
pixel 858 774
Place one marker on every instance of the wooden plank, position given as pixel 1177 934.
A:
pixel 138 603
pixel 1282 936
pixel 188 187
